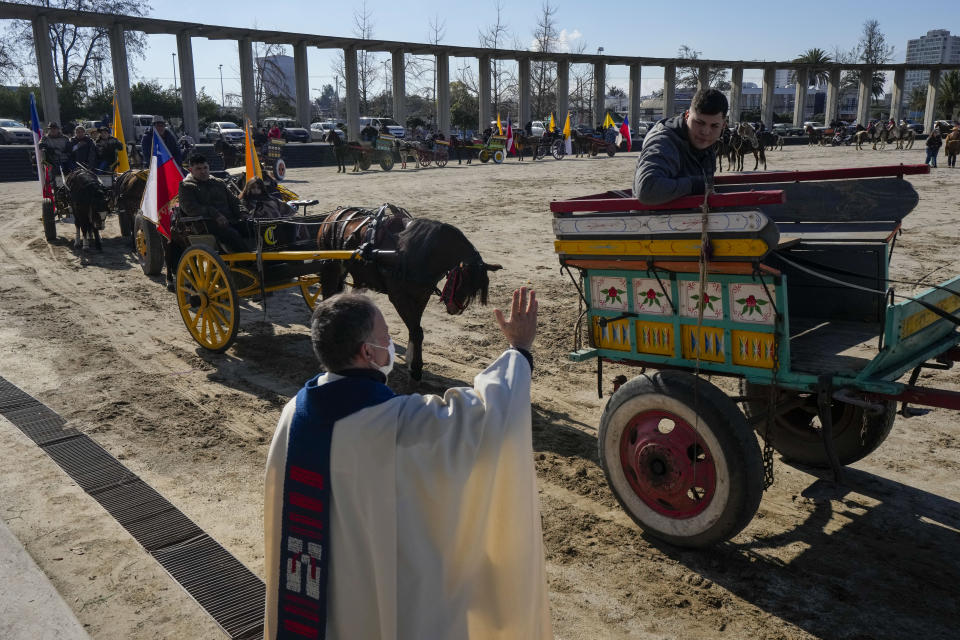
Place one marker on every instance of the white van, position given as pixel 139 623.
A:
pixel 389 125
pixel 141 124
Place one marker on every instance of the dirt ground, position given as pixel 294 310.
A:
pixel 104 346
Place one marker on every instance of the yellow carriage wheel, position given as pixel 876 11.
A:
pixel 484 155
pixel 311 290
pixel 208 300
pixel 498 156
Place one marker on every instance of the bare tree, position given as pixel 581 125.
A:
pixel 544 73
pixel 873 49
pixel 6 62
pixel 368 67
pixel 581 88
pixel 76 49
pixel 688 77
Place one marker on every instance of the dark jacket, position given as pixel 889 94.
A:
pixel 207 199
pixel 669 167
pixel 56 150
pixel 107 150
pixel 84 150
pixel 934 141
pixel 146 146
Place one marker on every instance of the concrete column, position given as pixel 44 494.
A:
pixel 302 76
pixel 247 92
pixel 800 96
pixel 929 114
pixel 831 110
pixel 563 93
pixel 188 86
pixel 599 92
pixel 703 77
pixel 523 68
pixel 896 96
pixel 48 81
pixel 863 98
pixel 766 96
pixel 483 86
pixel 399 77
pixel 121 81
pixel 736 89
pixel 669 89
pixel 635 92
pixel 443 94
pixel 352 88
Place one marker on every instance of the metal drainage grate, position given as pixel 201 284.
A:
pixel 220 583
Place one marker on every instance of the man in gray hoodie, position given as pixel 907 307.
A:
pixel 678 157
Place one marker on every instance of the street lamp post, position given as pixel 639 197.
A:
pixel 222 101
pixel 173 58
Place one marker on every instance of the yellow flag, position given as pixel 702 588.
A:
pixel 566 127
pixel 608 121
pixel 553 126
pixel 499 126
pixel 123 163
pixel 253 163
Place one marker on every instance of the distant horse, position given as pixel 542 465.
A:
pixel 522 142
pixel 340 150
pixel 770 139
pixel 813 136
pixel 580 143
pixel 860 137
pixel 907 137
pixel 742 146
pixel 747 132
pixel 127 194
pixel 426 251
pixel 722 149
pixel 229 154
pixel 461 148
pixel 88 198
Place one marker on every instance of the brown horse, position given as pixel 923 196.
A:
pixel 951 147
pixel 88 199
pixel 126 195
pixel 418 254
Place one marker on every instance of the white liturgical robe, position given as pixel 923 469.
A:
pixel 434 516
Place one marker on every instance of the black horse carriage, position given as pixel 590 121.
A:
pixel 551 143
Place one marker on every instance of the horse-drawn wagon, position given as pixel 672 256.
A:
pixel 593 145
pixel 84 194
pixel 494 148
pixel 433 151
pixel 780 280
pixel 380 150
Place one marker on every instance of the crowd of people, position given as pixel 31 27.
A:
pixel 65 153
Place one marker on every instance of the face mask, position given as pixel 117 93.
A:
pixel 391 351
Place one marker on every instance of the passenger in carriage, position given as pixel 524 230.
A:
pixel 678 157
pixel 203 196
pixel 107 149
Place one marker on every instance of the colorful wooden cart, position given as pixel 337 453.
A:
pixel 380 150
pixel 789 291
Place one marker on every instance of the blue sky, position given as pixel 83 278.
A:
pixel 725 30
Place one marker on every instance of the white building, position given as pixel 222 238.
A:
pixel 782 78
pixel 937 47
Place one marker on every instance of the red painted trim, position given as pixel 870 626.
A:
pixel 306 476
pixel 303 613
pixel 306 502
pixel 928 397
pixel 300 629
pixel 824 174
pixel 302 519
pixel 606 204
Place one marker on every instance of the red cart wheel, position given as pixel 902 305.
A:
pixel 681 459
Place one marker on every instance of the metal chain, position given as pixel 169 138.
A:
pixel 772 399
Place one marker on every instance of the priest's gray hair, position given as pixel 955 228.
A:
pixel 339 327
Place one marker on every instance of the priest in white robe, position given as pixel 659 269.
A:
pixel 405 517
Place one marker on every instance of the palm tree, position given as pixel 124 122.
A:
pixel 819 70
pixel 918 99
pixel 948 98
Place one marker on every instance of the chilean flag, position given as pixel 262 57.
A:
pixel 163 186
pixel 625 131
pixel 43 173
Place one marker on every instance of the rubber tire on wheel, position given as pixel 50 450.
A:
pixel 498 156
pixel 386 160
pixel 49 212
pixel 364 162
pixel 484 156
pixel 611 149
pixel 558 150
pixel 797 440
pixel 148 245
pixel 207 298
pixel 632 440
pixel 279 169
pixel 126 223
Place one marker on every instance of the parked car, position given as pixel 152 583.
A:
pixel 319 131
pixel 226 131
pixel 141 124
pixel 916 126
pixel 785 129
pixel 537 128
pixel 389 125
pixel 14 132
pixel 945 126
pixel 292 131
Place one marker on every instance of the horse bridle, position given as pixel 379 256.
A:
pixel 454 282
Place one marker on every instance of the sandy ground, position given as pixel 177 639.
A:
pixel 104 345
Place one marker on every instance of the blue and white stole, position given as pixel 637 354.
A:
pixel 305 537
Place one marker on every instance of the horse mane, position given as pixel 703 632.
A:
pixel 431 248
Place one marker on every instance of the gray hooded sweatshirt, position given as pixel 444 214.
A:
pixel 669 167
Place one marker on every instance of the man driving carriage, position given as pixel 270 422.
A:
pixel 207 197
pixel 56 147
pixel 107 149
pixel 146 144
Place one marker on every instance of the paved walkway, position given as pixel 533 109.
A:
pixel 30 607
